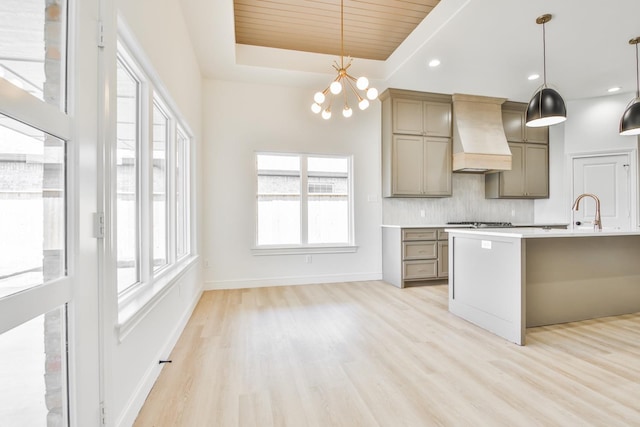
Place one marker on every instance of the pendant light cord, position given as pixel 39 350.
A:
pixel 544 56
pixel 637 74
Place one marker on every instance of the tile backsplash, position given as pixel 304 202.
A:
pixel 466 204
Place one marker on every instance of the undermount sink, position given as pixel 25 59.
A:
pixel 587 228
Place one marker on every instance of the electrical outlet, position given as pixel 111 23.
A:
pixel 422 213
pixel 308 259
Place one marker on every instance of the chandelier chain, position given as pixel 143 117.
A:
pixel 342 33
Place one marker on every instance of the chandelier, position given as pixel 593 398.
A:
pixel 343 83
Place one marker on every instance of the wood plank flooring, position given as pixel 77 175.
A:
pixel 369 354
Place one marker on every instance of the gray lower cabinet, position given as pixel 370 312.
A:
pixel 414 255
pixel 443 259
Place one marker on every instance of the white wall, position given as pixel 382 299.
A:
pixel 591 126
pixel 160 30
pixel 241 119
pixel 159 27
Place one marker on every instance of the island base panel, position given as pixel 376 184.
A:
pixel 572 279
pixel 484 284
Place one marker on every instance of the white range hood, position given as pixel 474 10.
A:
pixel 479 142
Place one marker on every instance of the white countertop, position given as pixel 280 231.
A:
pixel 538 233
pixel 467 226
pixel 424 226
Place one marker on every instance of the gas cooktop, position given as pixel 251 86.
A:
pixel 482 224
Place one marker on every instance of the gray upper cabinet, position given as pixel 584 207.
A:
pixel 536 171
pixel 421 166
pixel 437 169
pixel 426 118
pixel 513 119
pixel 529 174
pixel 528 177
pixel 407 165
pixel 416 144
pixel 510 183
pixel 407 117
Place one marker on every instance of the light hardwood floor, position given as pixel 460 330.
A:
pixel 370 354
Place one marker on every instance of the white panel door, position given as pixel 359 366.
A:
pixel 608 177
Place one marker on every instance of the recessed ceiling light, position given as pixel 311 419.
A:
pixel 614 89
pixel 534 77
pixel 434 63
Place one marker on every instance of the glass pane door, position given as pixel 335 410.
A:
pixel 33 364
pixel 32 207
pixel 34 283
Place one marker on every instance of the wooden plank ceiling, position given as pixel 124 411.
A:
pixel 373 29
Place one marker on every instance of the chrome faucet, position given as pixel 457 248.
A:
pixel 597 221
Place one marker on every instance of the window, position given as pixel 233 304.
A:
pixel 159 187
pixel 127 178
pixel 182 195
pixel 303 200
pixel 152 171
pixel 318 188
pixel 328 211
pixel 279 200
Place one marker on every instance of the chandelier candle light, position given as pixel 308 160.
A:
pixel 343 79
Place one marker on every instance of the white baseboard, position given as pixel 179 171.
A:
pixel 289 281
pixel 135 403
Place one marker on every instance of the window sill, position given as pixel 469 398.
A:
pixel 134 307
pixel 301 250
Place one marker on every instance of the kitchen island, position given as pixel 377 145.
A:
pixel 505 280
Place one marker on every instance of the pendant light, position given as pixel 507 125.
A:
pixel 630 121
pixel 547 106
pixel 344 83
